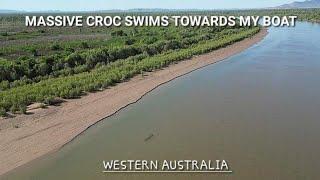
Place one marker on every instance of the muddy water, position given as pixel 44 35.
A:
pixel 259 110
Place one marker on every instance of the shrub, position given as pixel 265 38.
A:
pixel 41 31
pixel 55 47
pixel 3 112
pixel 4 85
pixel 129 41
pixel 84 45
pixel 69 49
pixel 34 52
pixel 149 40
pixel 118 33
pixel 4 34
pixel 74 59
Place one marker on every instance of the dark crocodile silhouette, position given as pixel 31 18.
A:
pixel 149 137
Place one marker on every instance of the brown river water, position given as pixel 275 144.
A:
pixel 258 110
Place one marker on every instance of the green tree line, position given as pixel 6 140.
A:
pixel 18 98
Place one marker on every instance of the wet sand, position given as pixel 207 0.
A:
pixel 27 137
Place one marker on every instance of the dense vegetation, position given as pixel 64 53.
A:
pixel 41 64
pixel 69 75
pixel 63 59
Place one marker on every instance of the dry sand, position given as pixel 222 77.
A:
pixel 27 137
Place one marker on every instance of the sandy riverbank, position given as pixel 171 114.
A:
pixel 27 137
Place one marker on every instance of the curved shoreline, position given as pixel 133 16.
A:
pixel 47 130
